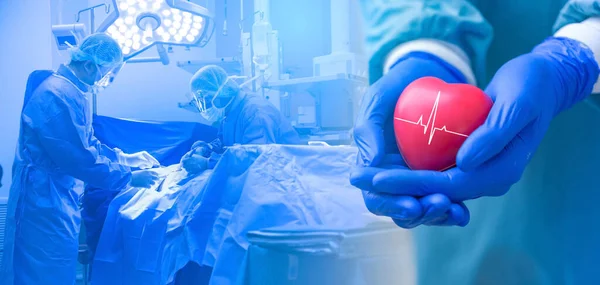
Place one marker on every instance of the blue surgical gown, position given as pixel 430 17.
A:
pixel 545 229
pixel 253 120
pixel 56 153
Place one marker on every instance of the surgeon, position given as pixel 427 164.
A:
pixel 529 174
pixel 243 118
pixel 57 152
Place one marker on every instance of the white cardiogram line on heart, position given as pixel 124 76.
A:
pixel 431 122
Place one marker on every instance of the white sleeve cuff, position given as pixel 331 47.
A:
pixel 450 53
pixel 588 33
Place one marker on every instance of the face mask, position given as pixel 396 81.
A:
pixel 206 103
pixel 213 115
pixel 220 97
pixel 101 84
pixel 105 80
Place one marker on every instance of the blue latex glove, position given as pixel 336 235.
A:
pixel 528 92
pixel 374 136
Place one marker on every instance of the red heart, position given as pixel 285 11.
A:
pixel 433 119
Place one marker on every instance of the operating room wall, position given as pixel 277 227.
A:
pixel 304 31
pixel 25 30
pixel 303 28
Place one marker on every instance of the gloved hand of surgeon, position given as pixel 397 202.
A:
pixel 202 148
pixel 194 163
pixel 202 156
pixel 528 92
pixel 143 178
pixel 141 159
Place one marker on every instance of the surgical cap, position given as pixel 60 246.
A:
pixel 100 49
pixel 210 78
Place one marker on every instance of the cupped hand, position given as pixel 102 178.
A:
pixel 528 92
pixel 378 152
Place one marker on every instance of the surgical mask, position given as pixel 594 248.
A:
pixel 106 79
pixel 203 104
pixel 99 84
pixel 218 97
pixel 213 114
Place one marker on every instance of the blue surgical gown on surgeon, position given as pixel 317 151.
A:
pixel 56 152
pixel 253 120
pixel 546 229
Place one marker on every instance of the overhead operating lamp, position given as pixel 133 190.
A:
pixel 140 24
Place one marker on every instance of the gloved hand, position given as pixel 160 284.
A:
pixel 194 163
pixel 378 152
pixel 202 148
pixel 405 210
pixel 143 178
pixel 528 92
pixel 140 159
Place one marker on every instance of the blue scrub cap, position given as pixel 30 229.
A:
pixel 209 79
pixel 100 49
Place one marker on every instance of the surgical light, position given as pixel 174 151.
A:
pixel 140 24
pixel 129 34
